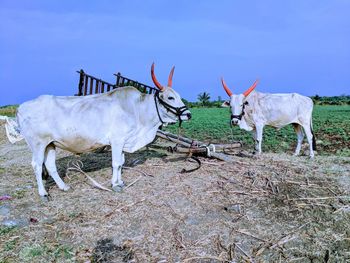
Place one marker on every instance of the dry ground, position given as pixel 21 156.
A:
pixel 272 208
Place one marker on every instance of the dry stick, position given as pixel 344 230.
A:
pixel 126 187
pixel 250 235
pixel 77 165
pixel 347 207
pixel 245 253
pixel 142 172
pixel 205 257
pixel 319 198
pixel 284 240
pixel 123 207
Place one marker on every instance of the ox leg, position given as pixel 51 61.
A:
pixel 117 163
pixel 50 163
pixel 37 164
pixel 299 131
pixel 255 140
pixel 309 136
pixel 259 133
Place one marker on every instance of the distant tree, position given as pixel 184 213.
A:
pixel 204 98
pixel 186 102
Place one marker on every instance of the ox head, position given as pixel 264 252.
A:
pixel 237 102
pixel 173 107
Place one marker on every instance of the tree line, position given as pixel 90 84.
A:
pixel 204 100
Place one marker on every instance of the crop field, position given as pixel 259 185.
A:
pixel 331 127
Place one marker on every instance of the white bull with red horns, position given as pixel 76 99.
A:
pixel 124 118
pixel 253 110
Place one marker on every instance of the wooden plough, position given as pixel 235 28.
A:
pixel 186 145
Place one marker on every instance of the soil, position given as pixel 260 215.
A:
pixel 268 208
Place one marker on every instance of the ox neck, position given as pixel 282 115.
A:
pixel 246 122
pixel 147 111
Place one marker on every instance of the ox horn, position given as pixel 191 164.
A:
pixel 170 78
pixel 155 81
pixel 228 91
pixel 252 87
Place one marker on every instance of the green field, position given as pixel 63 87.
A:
pixel 331 126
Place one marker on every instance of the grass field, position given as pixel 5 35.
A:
pixel 8 110
pixel 331 127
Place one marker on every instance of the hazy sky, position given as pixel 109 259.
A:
pixel 291 45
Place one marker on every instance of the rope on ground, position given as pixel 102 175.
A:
pixel 194 169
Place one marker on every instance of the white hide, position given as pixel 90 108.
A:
pixel 276 110
pixel 124 118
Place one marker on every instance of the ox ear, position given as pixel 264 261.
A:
pixel 225 104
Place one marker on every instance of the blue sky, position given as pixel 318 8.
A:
pixel 291 46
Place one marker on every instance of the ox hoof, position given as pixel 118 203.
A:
pixel 44 198
pixel 65 188
pixel 118 188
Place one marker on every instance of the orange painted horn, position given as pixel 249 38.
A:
pixel 252 87
pixel 155 81
pixel 228 91
pixel 170 78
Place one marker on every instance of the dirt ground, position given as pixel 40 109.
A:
pixel 271 208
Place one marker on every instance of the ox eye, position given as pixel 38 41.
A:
pixel 171 98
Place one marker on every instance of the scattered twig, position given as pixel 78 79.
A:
pixel 284 240
pixel 245 253
pixel 343 208
pixel 120 208
pixel 77 166
pixel 126 187
pixel 137 170
pixel 205 257
pixel 250 235
pixel 319 198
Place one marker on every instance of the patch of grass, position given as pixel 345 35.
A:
pixel 6 229
pixel 28 254
pixel 9 245
pixel 9 110
pixel 19 194
pixel 37 252
pixel 63 251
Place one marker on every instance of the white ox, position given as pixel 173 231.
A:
pixel 124 118
pixel 253 110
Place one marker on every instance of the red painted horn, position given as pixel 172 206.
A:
pixel 170 78
pixel 252 87
pixel 228 91
pixel 155 81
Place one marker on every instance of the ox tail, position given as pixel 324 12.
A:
pixel 313 137
pixel 12 129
